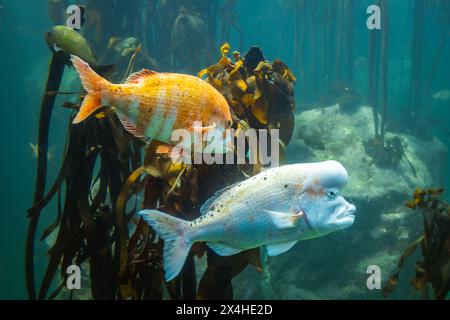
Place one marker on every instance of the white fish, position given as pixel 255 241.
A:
pixel 275 209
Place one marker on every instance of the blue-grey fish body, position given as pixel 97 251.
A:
pixel 275 209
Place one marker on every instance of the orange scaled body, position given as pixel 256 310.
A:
pixel 151 105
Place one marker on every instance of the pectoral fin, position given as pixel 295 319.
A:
pixel 130 127
pixel 284 220
pixel 275 249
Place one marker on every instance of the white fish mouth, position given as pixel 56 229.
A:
pixel 345 218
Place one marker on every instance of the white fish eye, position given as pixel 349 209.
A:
pixel 332 194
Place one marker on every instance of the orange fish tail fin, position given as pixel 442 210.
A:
pixel 93 84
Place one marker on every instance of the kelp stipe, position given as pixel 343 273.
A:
pixel 55 74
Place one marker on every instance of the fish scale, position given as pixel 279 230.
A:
pixel 248 200
pixel 163 100
pixel 151 105
pixel 275 209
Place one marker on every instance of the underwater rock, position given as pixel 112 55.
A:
pixel 343 94
pixel 300 293
pixel 343 136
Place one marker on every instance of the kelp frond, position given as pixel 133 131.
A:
pixel 434 268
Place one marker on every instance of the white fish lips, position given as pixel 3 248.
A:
pixel 346 217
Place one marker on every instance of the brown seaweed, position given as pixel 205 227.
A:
pixel 99 229
pixel 387 153
pixel 434 268
pixel 83 229
pixel 55 74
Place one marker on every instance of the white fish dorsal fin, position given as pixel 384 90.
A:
pixel 275 249
pixel 283 220
pixel 222 249
pixel 136 76
pixel 208 204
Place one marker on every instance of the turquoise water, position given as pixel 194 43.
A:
pixel 24 61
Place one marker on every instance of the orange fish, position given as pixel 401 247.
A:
pixel 151 105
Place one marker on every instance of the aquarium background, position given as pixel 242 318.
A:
pixel 333 267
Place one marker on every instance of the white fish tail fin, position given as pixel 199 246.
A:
pixel 93 84
pixel 176 242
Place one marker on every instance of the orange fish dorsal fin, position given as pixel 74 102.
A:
pixel 136 76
